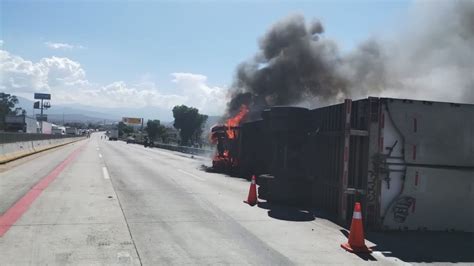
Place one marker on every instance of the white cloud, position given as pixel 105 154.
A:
pixel 22 75
pixel 63 46
pixel 67 81
pixel 211 99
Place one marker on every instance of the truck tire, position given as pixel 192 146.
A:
pixel 263 182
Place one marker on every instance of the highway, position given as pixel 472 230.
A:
pixel 103 202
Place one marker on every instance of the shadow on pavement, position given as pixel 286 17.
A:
pixel 410 246
pixel 366 256
pixel 287 213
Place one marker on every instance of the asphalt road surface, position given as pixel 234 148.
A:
pixel 103 202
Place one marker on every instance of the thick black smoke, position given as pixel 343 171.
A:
pixel 293 62
pixel 431 57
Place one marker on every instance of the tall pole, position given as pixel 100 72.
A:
pixel 41 119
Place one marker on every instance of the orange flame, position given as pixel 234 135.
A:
pixel 235 121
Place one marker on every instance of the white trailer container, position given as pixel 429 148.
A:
pixel 58 130
pixel 71 131
pixel 410 163
pixel 21 123
pixel 113 135
pixel 46 128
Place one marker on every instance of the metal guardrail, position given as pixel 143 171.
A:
pixel 10 137
pixel 185 149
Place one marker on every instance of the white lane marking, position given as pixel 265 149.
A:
pixel 100 155
pixel 188 173
pixel 105 173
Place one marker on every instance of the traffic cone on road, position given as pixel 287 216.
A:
pixel 356 242
pixel 252 198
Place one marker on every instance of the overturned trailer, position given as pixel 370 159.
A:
pixel 410 163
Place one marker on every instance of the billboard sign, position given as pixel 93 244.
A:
pixel 44 96
pixel 40 117
pixel 132 120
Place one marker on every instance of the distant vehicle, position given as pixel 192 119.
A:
pixel 21 123
pixel 58 130
pixel 46 128
pixel 72 131
pixel 130 140
pixel 113 135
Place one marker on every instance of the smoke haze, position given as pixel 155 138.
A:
pixel 430 58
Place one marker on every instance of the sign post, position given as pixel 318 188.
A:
pixel 42 97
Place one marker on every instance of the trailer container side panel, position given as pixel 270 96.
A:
pixel 326 154
pixel 427 141
pixel 371 207
pixel 252 144
pixel 391 164
pixel 435 133
pixel 433 199
pixel 327 150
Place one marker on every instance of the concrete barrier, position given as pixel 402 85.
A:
pixel 9 151
pixel 16 150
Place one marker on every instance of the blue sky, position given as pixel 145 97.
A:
pixel 146 41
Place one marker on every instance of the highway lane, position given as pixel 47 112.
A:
pixel 119 203
pixel 27 171
pixel 75 220
pixel 171 222
pixel 177 214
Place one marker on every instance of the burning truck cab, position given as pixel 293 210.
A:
pixel 226 139
pixel 273 148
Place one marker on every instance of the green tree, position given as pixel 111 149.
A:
pixel 154 129
pixel 7 106
pixel 188 121
pixel 124 129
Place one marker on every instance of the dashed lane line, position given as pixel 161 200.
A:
pixel 105 173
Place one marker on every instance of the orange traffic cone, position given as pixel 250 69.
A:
pixel 356 242
pixel 252 198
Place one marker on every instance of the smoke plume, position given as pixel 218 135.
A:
pixel 431 58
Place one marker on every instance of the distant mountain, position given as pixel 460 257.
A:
pixel 84 113
pixel 79 118
pixel 92 114
pixel 71 113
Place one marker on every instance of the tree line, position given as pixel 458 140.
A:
pixel 187 121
